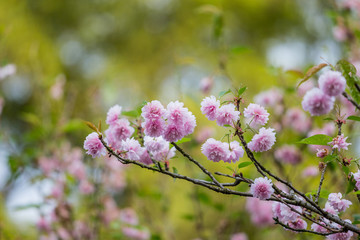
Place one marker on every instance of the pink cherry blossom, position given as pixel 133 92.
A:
pixel 260 211
pixel 136 234
pixel 176 113
pixel 94 146
pixel 129 216
pixel 317 228
pixel 159 148
pixel 357 179
pixel 118 131
pixel 332 83
pixel 239 236
pixel 263 141
pixel 113 114
pixel 342 235
pixel 296 119
pixel 189 124
pixel 269 98
pixel 288 154
pixel 173 132
pixel 339 142
pixel 154 127
pixel 132 149
pixel 337 203
pixel 305 87
pixel 321 153
pixel 209 107
pixel 340 33
pixel 284 213
pixel 206 85
pixel 215 150
pixel 227 115
pixel 317 103
pixel 235 152
pixel 298 224
pixel 86 187
pixel 310 171
pixel 204 134
pixel 153 110
pixel 262 188
pixel 256 115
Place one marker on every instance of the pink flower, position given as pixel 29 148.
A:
pixel 340 236
pixel 153 110
pixel 173 132
pixel 239 236
pixel 209 107
pixel 227 115
pixel 262 188
pixel 190 123
pixel 321 153
pixel 43 224
pixel 340 33
pixel 86 187
pixel 310 171
pixel 271 97
pixel 296 119
pixel 256 115
pixel 298 224
pixel 327 129
pixel 77 169
pixel 235 152
pixel 159 148
pixel 113 114
pixel 94 146
pixel 129 216
pixel 337 203
pixel 154 127
pixel 47 165
pixel 317 228
pixel 136 234
pixel 176 113
pixel 215 150
pixel 330 209
pixel 339 142
pixel 206 85
pixel 284 213
pixel 332 83
pixel 357 178
pixel 118 131
pixel 260 212
pixel 317 103
pixel 288 154
pixel 263 141
pixel 304 87
pixel 133 149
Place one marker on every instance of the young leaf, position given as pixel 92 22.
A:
pixel 356 219
pixel 318 139
pixel 99 126
pixel 244 164
pixel 354 118
pixel 183 140
pixel 175 170
pixel 351 185
pixel 91 125
pixel 349 72
pixel 133 113
pixel 230 168
pixel 312 71
pixel 329 158
pixel 242 90
pixel 223 93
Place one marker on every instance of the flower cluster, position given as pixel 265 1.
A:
pixel 172 123
pixel 339 142
pixel 216 150
pixel 263 141
pixel 224 115
pixel 320 101
pixel 256 115
pixel 260 211
pixel 289 215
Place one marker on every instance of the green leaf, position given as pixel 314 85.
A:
pixel 92 126
pixel 349 72
pixel 239 49
pixel 356 219
pixel 323 193
pixel 72 126
pixel 318 139
pixel 183 140
pixel 354 118
pixel 189 217
pixel 230 168
pixel 311 72
pixel 242 90
pixel 328 119
pixel 351 185
pixel 244 164
pixel 223 93
pixel 227 125
pixel 346 170
pixel 330 158
pixel 27 206
pixel 356 193
pixel 175 170
pixel 218 26
pixel 133 113
pixel 204 198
